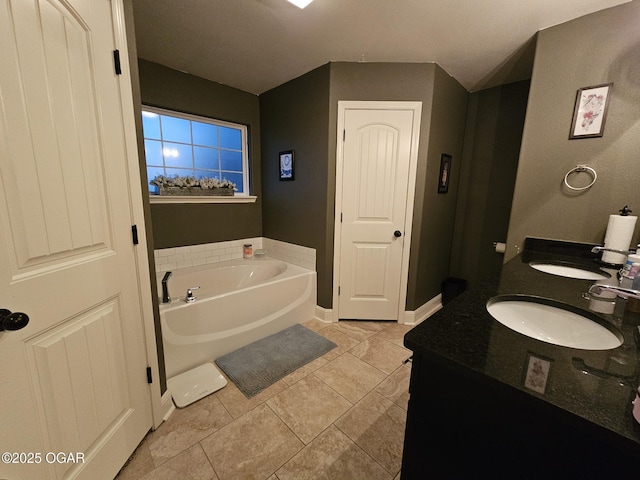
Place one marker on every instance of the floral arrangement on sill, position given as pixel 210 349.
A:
pixel 187 186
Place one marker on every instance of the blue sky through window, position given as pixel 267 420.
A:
pixel 178 144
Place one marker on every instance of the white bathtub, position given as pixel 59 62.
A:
pixel 238 302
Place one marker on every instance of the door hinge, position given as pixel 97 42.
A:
pixel 340 217
pixel 149 377
pixel 116 62
pixel 134 234
pixel 344 134
pixel 338 289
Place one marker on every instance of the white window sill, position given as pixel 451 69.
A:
pixel 156 199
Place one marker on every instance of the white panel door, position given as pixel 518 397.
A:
pixel 375 178
pixel 75 402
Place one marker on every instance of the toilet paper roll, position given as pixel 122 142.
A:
pixel 500 247
pixel 619 233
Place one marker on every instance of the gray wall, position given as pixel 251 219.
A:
pixel 382 82
pixel 434 213
pixel 595 49
pixel 387 82
pixel 441 131
pixel 192 224
pixel 295 116
pixel 495 120
pixel 302 115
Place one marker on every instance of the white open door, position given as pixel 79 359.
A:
pixel 376 181
pixel 75 400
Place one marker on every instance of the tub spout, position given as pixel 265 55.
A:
pixel 165 288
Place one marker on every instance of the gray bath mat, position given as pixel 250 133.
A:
pixel 256 366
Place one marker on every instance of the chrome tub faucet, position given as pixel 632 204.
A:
pixel 189 297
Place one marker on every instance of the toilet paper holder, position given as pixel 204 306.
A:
pixel 580 168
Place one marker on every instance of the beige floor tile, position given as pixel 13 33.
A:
pixel 308 407
pixel 185 427
pixel 361 330
pixel 383 355
pixel 377 426
pixel 253 446
pixel 366 438
pixel 395 333
pixel 138 465
pixel 315 324
pixel 305 370
pixel 192 464
pixel 237 404
pixel 332 456
pixel 343 341
pixel 350 377
pixel 396 386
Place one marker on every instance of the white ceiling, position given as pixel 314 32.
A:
pixel 255 45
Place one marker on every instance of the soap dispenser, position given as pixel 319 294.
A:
pixel 633 304
pixel 630 269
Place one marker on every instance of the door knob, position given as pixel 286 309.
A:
pixel 12 321
pixel 397 233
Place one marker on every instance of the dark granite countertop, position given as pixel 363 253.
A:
pixel 595 385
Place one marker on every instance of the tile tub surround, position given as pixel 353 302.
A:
pixel 167 259
pixel 464 335
pixel 339 417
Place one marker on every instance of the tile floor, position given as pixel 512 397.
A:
pixel 341 416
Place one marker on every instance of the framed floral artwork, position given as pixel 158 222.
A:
pixel 537 370
pixel 590 111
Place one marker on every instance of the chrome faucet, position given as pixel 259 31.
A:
pixel 603 249
pixel 597 289
pixel 189 298
pixel 165 288
pixel 580 364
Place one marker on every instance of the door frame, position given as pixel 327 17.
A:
pixel 343 106
pixel 160 405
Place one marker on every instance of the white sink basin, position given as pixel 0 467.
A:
pixel 554 322
pixel 570 271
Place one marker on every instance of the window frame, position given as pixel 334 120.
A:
pixel 244 196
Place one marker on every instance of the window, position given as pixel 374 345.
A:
pixel 186 145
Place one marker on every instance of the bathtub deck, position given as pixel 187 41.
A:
pixel 347 408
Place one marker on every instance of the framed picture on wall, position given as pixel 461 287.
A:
pixel 590 111
pixel 445 173
pixel 286 165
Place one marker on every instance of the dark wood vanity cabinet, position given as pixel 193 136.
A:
pixel 462 424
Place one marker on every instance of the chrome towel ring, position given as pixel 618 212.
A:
pixel 581 168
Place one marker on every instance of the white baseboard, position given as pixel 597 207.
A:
pixel 167 407
pixel 410 318
pixel 423 312
pixel 324 314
